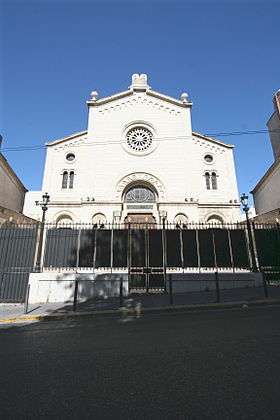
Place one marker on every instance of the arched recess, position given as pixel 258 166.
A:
pixel 140 178
pixel 181 219
pixel 64 217
pixel 64 221
pixel 99 219
pixel 215 219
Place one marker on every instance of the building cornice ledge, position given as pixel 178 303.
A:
pixel 70 137
pixel 130 92
pixel 166 98
pixel 211 139
pixel 111 98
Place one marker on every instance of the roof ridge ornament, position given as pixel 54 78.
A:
pixel 184 98
pixel 139 82
pixel 94 96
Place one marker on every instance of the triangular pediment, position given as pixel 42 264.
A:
pixel 139 85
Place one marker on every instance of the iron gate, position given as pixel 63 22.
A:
pixel 146 261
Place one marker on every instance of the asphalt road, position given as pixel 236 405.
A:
pixel 206 365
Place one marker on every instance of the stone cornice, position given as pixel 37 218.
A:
pixel 148 92
pixel 111 98
pixel 210 139
pixel 166 98
pixel 70 137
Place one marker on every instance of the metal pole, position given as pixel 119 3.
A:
pixel 164 251
pixel 278 245
pixel 182 248
pixel 218 297
pixel 230 250
pixel 40 246
pixel 121 290
pixel 26 299
pixel 197 249
pixel 170 289
pixel 147 275
pixel 75 295
pixel 129 256
pixel 217 287
pixel 265 289
pixel 78 250
pixel 251 245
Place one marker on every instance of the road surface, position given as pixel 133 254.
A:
pixel 222 364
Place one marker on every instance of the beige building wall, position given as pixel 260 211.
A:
pixel 267 191
pixel 12 191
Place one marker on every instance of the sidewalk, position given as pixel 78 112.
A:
pixel 14 313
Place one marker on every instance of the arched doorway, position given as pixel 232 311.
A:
pixel 140 199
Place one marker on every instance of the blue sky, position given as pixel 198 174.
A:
pixel 225 54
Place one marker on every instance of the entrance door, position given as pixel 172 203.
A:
pixel 146 260
pixel 134 219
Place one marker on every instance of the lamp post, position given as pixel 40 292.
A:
pixel 244 202
pixel 44 205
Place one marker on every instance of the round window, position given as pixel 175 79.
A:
pixel 208 158
pixel 70 157
pixel 139 138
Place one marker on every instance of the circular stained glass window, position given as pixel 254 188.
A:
pixel 139 138
pixel 70 157
pixel 208 158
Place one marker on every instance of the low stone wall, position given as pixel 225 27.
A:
pixel 59 287
pixel 193 282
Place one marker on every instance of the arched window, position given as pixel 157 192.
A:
pixel 207 179
pixel 64 221
pixel 99 219
pixel 140 194
pixel 215 219
pixel 214 180
pixel 71 179
pixel 181 219
pixel 64 179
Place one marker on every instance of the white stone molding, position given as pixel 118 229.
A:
pixel 66 213
pixel 140 99
pixel 213 214
pixel 140 177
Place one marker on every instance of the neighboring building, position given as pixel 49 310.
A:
pixel 267 191
pixel 12 193
pixel 138 161
pixel 273 125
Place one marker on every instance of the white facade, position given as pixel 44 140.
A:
pixel 144 140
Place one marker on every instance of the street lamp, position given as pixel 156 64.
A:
pixel 244 202
pixel 44 206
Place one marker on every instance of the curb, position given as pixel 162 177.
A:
pixel 114 312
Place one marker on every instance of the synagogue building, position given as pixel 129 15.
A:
pixel 138 161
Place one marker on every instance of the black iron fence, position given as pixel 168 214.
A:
pixel 147 252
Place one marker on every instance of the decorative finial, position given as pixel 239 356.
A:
pixel 94 95
pixel 184 97
pixel 139 82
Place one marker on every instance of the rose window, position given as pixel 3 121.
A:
pixel 139 139
pixel 140 194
